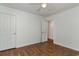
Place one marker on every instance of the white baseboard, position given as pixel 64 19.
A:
pixel 66 46
pixel 23 45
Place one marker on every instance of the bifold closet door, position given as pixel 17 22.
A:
pixel 7 31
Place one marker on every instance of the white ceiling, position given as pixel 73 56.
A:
pixel 52 8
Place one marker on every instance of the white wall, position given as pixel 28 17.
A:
pixel 28 26
pixel 66 28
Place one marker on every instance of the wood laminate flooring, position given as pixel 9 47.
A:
pixel 40 49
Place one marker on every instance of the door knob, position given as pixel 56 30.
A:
pixel 42 32
pixel 14 33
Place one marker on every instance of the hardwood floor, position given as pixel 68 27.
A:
pixel 40 49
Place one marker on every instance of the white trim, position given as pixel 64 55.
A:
pixel 65 46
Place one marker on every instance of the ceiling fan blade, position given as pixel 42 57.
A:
pixel 39 9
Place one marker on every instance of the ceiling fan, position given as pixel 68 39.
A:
pixel 42 6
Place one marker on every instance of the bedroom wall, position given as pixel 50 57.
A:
pixel 66 28
pixel 28 26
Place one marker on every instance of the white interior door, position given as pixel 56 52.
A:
pixel 44 30
pixel 7 31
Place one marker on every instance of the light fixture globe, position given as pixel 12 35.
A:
pixel 44 5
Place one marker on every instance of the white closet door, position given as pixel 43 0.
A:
pixel 44 30
pixel 7 31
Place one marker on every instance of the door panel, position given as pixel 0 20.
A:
pixel 7 28
pixel 44 30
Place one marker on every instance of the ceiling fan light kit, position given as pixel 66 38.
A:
pixel 44 5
